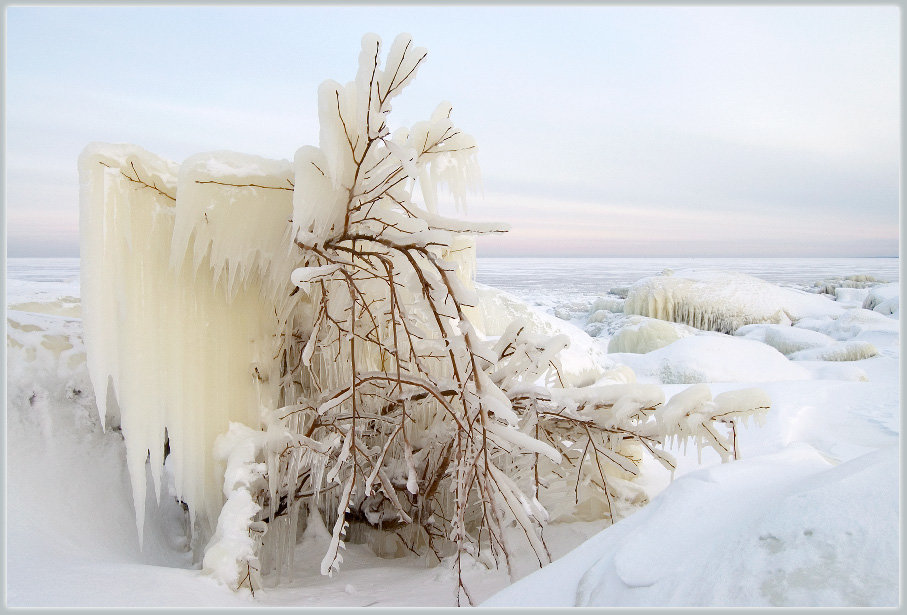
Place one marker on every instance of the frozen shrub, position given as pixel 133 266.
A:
pixel 329 370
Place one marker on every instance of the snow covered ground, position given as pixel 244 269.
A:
pixel 808 517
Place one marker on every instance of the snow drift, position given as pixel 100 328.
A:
pixel 795 532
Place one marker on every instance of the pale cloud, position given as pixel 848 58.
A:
pixel 549 227
pixel 601 130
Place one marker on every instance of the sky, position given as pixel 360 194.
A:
pixel 602 130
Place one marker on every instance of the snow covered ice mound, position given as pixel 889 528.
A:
pixel 856 324
pixel 722 301
pixel 713 358
pixel 785 339
pixel 640 334
pixel 884 299
pixel 839 351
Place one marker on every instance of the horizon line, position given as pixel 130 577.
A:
pixel 552 256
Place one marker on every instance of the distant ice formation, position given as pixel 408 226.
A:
pixel 722 301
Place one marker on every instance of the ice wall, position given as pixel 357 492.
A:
pixel 185 294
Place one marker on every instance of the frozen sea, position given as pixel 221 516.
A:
pixel 589 278
pixel 570 278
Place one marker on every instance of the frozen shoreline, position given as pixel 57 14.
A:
pixel 819 423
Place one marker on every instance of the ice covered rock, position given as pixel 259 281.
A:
pixel 609 303
pixel 854 350
pixel 785 339
pixel 722 301
pixel 640 334
pixel 851 324
pixel 831 286
pixel 883 299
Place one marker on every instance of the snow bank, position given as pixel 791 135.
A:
pixel 583 362
pixel 779 530
pixel 722 301
pixel 640 335
pixel 834 370
pixel 713 358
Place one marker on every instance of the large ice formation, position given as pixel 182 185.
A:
pixel 185 287
pixel 188 305
pixel 722 301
